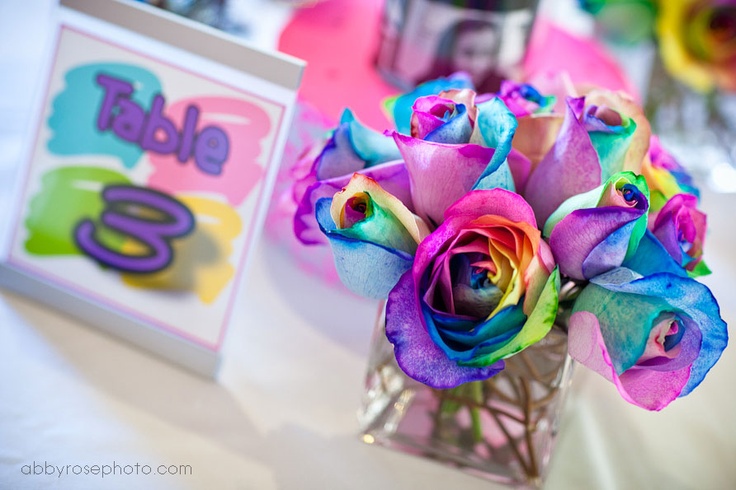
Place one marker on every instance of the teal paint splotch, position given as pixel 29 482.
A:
pixel 73 120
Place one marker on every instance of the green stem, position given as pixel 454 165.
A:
pixel 476 394
pixel 468 395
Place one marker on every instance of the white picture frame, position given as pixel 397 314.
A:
pixel 147 175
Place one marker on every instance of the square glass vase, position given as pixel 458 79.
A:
pixel 502 429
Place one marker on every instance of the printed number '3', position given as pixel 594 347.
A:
pixel 150 217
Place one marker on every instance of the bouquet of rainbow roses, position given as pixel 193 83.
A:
pixel 486 220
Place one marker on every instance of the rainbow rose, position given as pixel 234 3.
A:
pixel 673 217
pixel 372 234
pixel 400 108
pixel 483 287
pixel 496 218
pixel 655 336
pixel 600 134
pixel 523 99
pixel 665 176
pixel 454 146
pixel 351 147
pixel 697 42
pixel 680 227
pixel 594 232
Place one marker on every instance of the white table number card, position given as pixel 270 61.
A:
pixel 147 175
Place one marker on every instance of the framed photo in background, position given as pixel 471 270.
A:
pixel 147 175
pixel 422 40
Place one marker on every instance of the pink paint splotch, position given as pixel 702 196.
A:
pixel 246 126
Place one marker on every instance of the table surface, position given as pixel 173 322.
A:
pixel 282 413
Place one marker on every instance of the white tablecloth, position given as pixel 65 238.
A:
pixel 282 413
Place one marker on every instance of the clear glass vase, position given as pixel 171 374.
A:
pixel 502 429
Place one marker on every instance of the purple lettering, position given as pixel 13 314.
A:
pixel 156 123
pixel 128 125
pixel 123 214
pixel 154 132
pixel 114 88
pixel 211 150
pixel 187 133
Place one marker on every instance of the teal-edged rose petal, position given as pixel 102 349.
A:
pixel 440 173
pixel 588 242
pixel 536 327
pixel 683 294
pixel 401 107
pixel 416 353
pixel 366 268
pixel 625 319
pixel 338 156
pixel 391 176
pixel 496 125
pixel 648 388
pixel 651 257
pixel 371 146
pixel 611 144
pixel 483 339
pixel 570 167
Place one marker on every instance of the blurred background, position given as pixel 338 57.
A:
pixel 282 412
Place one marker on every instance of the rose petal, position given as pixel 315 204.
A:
pixel 405 221
pixel 400 107
pixel 651 257
pixel 572 165
pixel 392 176
pixel 496 126
pixel 537 325
pixel 584 200
pixel 679 220
pixel 574 239
pixel 536 135
pixel 649 389
pixel 441 120
pixel 416 353
pixel 440 174
pixel 612 147
pixel 609 253
pixel 626 105
pixel 366 268
pixel 687 349
pixel 520 167
pixel 484 336
pixel 652 389
pixel 371 146
pixel 625 319
pixel 692 298
pixel 338 157
pixel 494 202
pixel 524 99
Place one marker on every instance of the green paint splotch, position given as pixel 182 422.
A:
pixel 68 195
